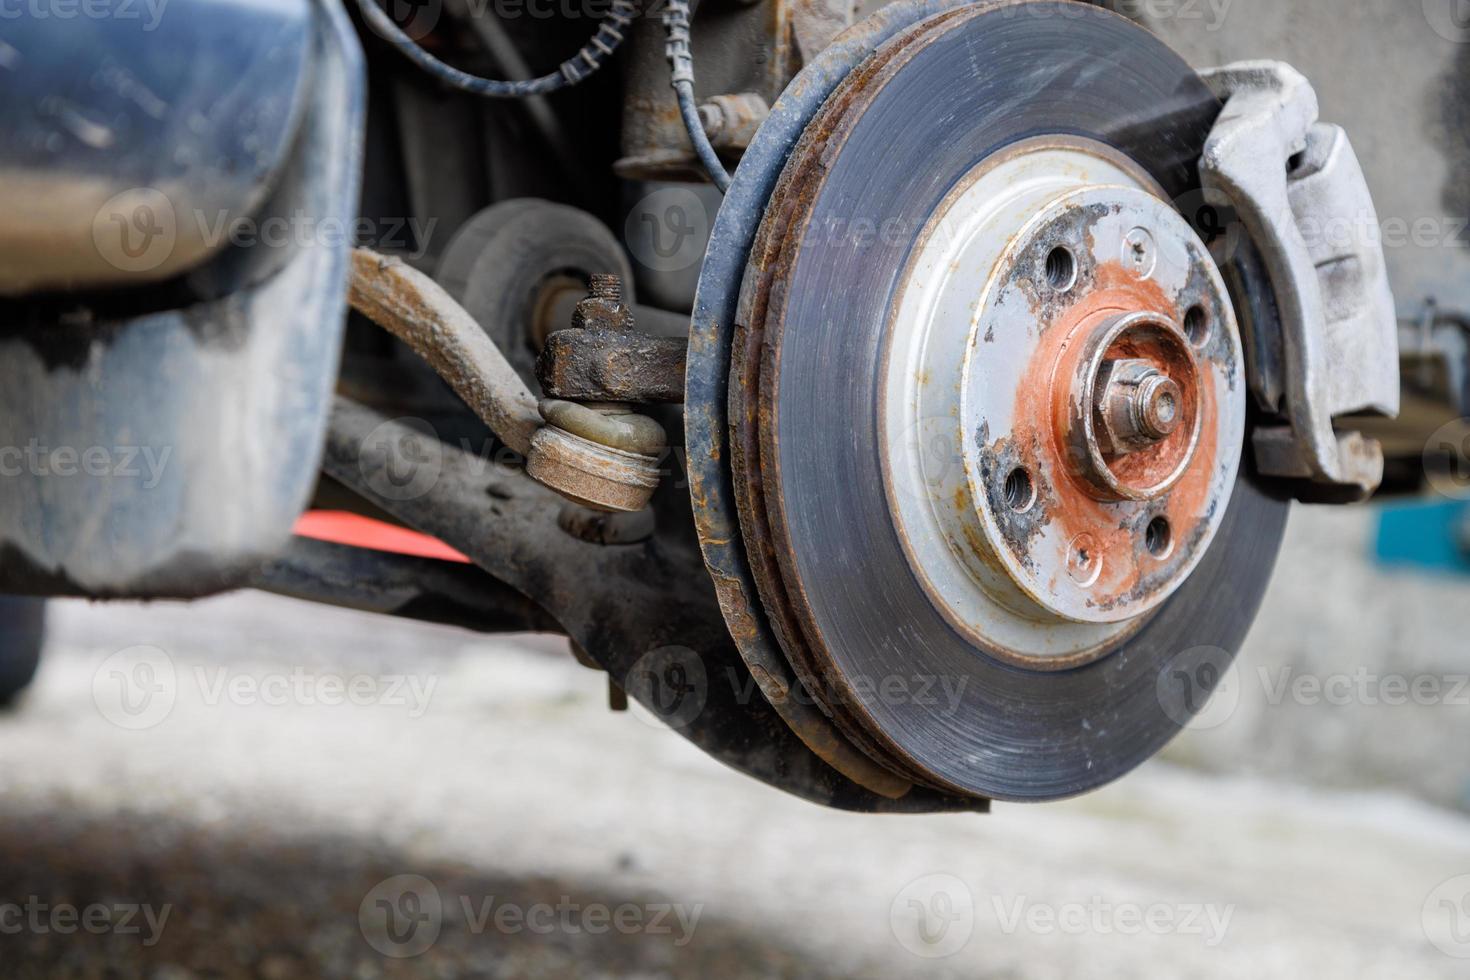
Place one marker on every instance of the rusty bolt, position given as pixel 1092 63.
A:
pixel 603 307
pixel 604 286
pixel 1138 406
pixel 731 121
pixel 1156 406
pixel 711 119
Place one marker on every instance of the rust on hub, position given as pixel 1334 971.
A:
pixel 1132 408
pixel 1121 323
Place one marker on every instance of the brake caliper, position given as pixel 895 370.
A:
pixel 1299 190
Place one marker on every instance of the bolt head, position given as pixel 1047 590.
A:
pixel 1140 252
pixel 1137 406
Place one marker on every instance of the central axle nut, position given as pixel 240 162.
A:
pixel 1158 406
pixel 1133 410
pixel 1137 406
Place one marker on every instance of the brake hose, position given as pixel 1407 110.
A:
pixel 610 33
pixel 681 64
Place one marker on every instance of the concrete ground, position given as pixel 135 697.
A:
pixel 256 787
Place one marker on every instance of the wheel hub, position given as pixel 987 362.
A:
pixel 1058 448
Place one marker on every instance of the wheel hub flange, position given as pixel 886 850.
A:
pixel 1065 402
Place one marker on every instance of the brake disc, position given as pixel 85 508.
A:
pixel 986 408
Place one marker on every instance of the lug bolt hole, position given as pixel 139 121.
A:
pixel 1061 268
pixel 1158 538
pixel 1197 325
pixel 1019 490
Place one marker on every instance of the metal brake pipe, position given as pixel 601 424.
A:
pixel 417 310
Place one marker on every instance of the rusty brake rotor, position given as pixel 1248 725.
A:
pixel 986 405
